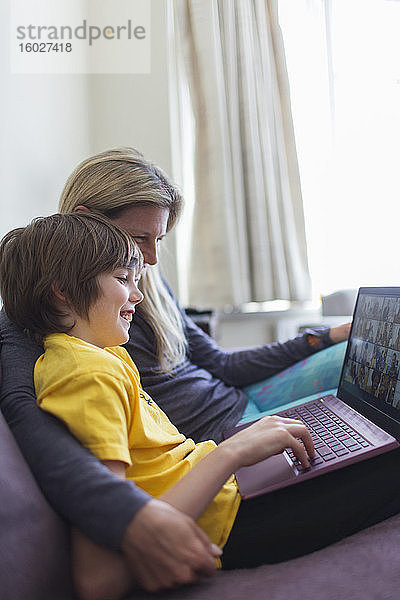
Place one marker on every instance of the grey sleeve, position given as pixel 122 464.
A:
pixel 244 367
pixel 203 396
pixel 75 483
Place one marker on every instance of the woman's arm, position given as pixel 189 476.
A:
pixel 244 367
pixel 164 547
pixel 102 574
pixel 99 573
pixel 239 368
pixel 195 395
pixel 88 496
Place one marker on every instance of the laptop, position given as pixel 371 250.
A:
pixel 363 419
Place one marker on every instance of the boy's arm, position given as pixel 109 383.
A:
pixel 268 436
pixel 112 512
pixel 99 574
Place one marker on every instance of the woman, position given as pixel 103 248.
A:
pixel 203 397
pixel 198 385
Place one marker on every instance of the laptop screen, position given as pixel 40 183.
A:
pixel 371 369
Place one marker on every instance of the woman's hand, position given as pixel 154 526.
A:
pixel 165 548
pixel 269 436
pixel 340 333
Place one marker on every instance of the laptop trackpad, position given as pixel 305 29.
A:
pixel 267 473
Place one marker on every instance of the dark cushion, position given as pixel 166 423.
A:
pixel 364 566
pixel 34 553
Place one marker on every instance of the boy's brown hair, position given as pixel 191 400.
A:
pixel 65 252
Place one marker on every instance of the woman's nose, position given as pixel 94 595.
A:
pixel 150 254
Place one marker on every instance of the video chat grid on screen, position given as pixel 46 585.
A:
pixel 374 352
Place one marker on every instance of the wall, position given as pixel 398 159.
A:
pixel 134 110
pixel 49 123
pixel 238 329
pixel 44 128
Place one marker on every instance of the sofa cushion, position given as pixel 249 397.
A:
pixel 361 567
pixel 34 554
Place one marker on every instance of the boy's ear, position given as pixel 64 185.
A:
pixel 58 293
pixel 81 207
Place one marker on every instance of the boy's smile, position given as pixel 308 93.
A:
pixel 127 314
pixel 111 315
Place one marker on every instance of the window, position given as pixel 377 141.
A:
pixel 343 59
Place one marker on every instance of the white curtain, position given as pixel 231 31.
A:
pixel 344 72
pixel 248 236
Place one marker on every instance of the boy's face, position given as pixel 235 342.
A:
pixel 111 315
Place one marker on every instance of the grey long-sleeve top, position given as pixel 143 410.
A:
pixel 77 485
pixel 202 396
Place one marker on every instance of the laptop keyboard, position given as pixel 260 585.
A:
pixel 332 437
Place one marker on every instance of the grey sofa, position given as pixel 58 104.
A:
pixel 34 555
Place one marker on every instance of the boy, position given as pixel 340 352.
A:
pixel 70 281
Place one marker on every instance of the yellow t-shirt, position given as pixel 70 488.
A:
pixel 97 393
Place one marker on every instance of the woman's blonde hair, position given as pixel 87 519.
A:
pixel 109 183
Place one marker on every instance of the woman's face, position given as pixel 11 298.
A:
pixel 148 226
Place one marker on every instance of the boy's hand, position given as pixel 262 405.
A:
pixel 166 549
pixel 269 436
pixel 340 333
